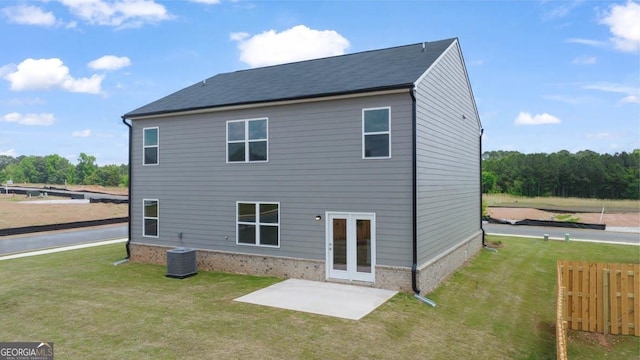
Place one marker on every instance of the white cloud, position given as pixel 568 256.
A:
pixel 600 135
pixel 46 74
pixel 206 1
pixel 525 118
pixel 29 15
pixel 81 133
pixel 238 36
pixel 43 119
pixel 119 13
pixel 10 152
pixel 624 24
pixel 25 101
pixel 573 100
pixel 110 62
pixel 632 94
pixel 589 42
pixel 562 10
pixel 295 44
pixel 585 60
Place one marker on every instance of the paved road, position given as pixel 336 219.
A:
pixel 22 243
pixel 559 233
pixel 37 241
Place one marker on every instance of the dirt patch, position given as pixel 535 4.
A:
pixel 614 219
pixel 593 338
pixel 14 214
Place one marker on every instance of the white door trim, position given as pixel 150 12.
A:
pixel 351 273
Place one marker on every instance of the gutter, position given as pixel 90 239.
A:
pixel 414 185
pixel 481 228
pixel 129 184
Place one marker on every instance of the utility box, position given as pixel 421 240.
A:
pixel 181 263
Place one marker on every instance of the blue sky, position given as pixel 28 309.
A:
pixel 546 75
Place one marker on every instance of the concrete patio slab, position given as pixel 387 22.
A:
pixel 338 300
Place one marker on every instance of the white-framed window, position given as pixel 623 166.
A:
pixel 150 217
pixel 150 145
pixel 247 140
pixel 376 133
pixel 258 223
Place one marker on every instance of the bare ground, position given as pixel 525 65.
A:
pixel 15 213
pixel 613 219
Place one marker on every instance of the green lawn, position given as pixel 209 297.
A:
pixel 501 306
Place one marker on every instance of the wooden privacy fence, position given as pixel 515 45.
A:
pixel 599 297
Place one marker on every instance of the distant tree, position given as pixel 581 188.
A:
pixel 488 182
pixel 85 168
pixel 108 175
pixel 57 169
pixel 583 174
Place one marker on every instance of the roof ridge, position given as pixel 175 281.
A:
pixel 336 56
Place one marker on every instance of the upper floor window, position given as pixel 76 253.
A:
pixel 247 140
pixel 150 145
pixel 258 223
pixel 376 133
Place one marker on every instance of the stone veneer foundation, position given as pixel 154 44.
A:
pixel 429 275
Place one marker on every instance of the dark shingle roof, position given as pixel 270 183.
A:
pixel 390 68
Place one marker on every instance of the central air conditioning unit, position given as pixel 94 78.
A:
pixel 181 263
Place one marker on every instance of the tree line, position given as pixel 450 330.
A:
pixel 585 174
pixel 55 169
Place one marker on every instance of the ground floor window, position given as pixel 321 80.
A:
pixel 258 223
pixel 150 217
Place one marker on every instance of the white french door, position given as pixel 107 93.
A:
pixel 351 240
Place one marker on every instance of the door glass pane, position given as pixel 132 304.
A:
pixel 363 245
pixel 340 244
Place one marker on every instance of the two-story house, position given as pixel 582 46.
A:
pixel 361 168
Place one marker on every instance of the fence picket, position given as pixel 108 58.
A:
pixel 624 295
pixel 593 295
pixel 600 297
pixel 636 299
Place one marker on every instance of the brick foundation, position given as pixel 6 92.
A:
pixel 430 275
pixel 434 272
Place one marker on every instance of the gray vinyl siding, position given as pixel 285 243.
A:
pixel 315 165
pixel 448 157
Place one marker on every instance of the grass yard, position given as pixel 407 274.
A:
pixel 501 306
